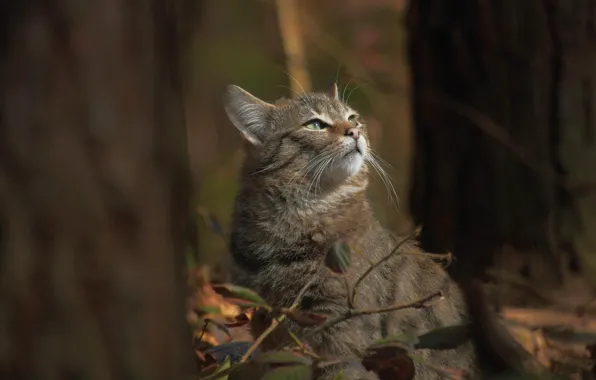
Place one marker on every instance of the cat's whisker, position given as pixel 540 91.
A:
pixel 300 174
pixel 337 73
pixel 295 80
pixel 327 163
pixel 289 88
pixel 387 181
pixel 264 169
pixel 383 179
pixel 312 165
pixel 379 158
pixel 390 181
pixel 318 173
pixel 352 91
pixel 343 93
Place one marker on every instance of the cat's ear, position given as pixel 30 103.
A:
pixel 333 92
pixel 247 113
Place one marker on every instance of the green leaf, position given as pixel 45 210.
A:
pixel 293 372
pixel 204 310
pixel 283 357
pixel 239 292
pixel 445 338
pixel 338 258
pixel 407 339
pixel 224 366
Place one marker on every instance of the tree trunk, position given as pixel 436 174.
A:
pixel 503 95
pixel 94 191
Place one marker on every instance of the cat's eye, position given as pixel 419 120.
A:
pixel 353 120
pixel 315 125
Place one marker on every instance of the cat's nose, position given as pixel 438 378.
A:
pixel 353 132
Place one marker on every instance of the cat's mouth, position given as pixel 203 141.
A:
pixel 354 150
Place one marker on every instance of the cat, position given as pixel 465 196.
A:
pixel 302 188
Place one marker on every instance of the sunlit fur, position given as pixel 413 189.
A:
pixel 300 191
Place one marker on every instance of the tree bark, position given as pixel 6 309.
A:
pixel 94 190
pixel 505 137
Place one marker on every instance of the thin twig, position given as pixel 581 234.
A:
pixel 378 263
pixel 347 286
pixel 435 256
pixel 353 313
pixel 422 302
pixel 298 298
pixel 303 347
pixel 262 337
pixel 276 322
pixel 204 330
pixel 418 304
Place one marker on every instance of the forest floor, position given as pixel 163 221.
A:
pixel 556 327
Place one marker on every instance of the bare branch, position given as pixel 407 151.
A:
pixel 262 337
pixel 411 236
pixel 353 313
pixel 277 320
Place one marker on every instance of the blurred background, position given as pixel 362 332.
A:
pixel 273 48
pixel 102 272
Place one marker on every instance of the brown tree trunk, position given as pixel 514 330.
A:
pixel 94 191
pixel 503 95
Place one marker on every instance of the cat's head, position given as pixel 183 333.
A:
pixel 313 140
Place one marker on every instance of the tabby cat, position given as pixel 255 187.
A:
pixel 302 188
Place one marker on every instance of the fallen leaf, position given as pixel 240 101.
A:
pixel 306 318
pixel 205 361
pixel 239 320
pixel 389 363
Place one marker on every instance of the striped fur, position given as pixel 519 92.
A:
pixel 289 212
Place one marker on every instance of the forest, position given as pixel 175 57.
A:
pixel 120 166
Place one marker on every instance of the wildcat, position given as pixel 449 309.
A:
pixel 302 188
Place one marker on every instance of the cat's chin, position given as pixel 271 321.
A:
pixel 345 168
pixel 353 163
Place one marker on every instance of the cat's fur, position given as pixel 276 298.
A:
pixel 288 214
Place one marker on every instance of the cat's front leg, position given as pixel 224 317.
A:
pixel 346 341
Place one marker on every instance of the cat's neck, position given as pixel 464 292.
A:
pixel 304 195
pixel 285 207
pixel 298 209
